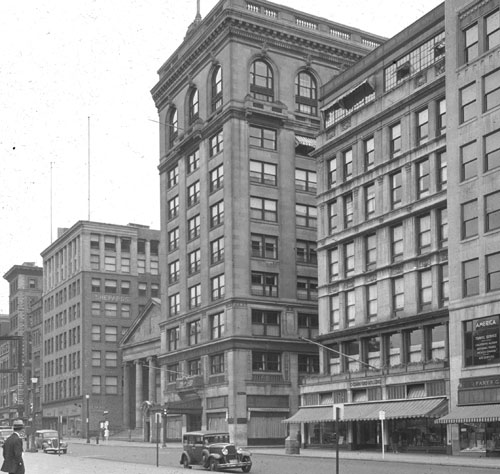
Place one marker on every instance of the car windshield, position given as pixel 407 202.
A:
pixel 217 439
pixel 50 434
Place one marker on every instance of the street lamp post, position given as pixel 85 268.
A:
pixel 87 397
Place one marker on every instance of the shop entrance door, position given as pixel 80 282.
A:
pixel 366 434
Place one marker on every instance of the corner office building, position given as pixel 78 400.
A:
pixel 97 279
pixel 383 249
pixel 238 107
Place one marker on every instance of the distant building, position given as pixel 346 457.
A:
pixel 97 279
pixel 25 289
pixel 239 112
pixel 34 355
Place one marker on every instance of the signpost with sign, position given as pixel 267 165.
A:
pixel 381 417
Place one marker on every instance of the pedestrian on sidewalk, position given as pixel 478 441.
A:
pixel 13 450
pixel 395 441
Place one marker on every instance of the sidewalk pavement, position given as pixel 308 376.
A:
pixel 413 458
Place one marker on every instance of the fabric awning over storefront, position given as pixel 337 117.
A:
pixel 311 415
pixel 305 141
pixel 472 414
pixel 423 408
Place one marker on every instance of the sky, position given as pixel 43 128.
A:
pixel 75 82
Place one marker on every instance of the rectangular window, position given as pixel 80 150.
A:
pixel 125 244
pixel 217 250
pixel 395 139
pixel 307 288
pixel 141 246
pixel 194 227
pixel 174 304
pixel 307 325
pixel 172 177
pixel 172 372
pixel 217 325
pixel 305 180
pixel 193 194
pixel 423 178
pixel 194 296
pixel 369 200
pixel 110 334
pixel 125 310
pixel 444 290
pixel 96 333
pixel 371 301
pixel 308 364
pixel 96 308
pixel 111 309
pixel 332 172
pixel 471 35
pixel 370 252
pixel 264 246
pixel 217 287
pixel 442 170
pixel 442 216
pixel 111 359
pixel 216 178
pixel 216 143
pixel 334 312
pixel 305 252
pixel 173 272
pixel 348 210
pixel 217 214
pixel 470 272
pixel 110 243
pixel 398 295
pixel 96 358
pixel 193 332
pixel 264 284
pixel 193 161
pixel 96 285
pixel 369 149
pixel 95 262
pixel 125 265
pixel 396 189
pixel 397 247
pixel 492 90
pixel 350 308
pixel 217 364
pixel 110 264
pixel 173 207
pixel 441 118
pixel 95 241
pixel 422 125
pixel 424 233
pixel 425 290
pixel 469 219
pixel 305 216
pixel 96 384
pixel 110 286
pixel 493 272
pixel 265 323
pixel 349 259
pixel 492 211
pixel 266 362
pixel 468 158
pixel 333 263
pixel 263 173
pixel 467 102
pixel 492 151
pixel 347 155
pixel 111 387
pixel 333 216
pixel 264 209
pixel 194 260
pixel 173 239
pixel 492 29
pixel 173 339
pixel 262 137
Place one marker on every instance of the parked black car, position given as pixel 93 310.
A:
pixel 50 442
pixel 214 451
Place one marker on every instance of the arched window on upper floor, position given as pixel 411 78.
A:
pixel 194 105
pixel 306 93
pixel 217 88
pixel 261 81
pixel 173 126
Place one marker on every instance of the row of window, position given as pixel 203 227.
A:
pixel 111 243
pixel 480 36
pixel 110 359
pixel 61 296
pixel 60 319
pixel 427 232
pixel 431 289
pixel 112 310
pixel 61 341
pixel 70 388
pixel 123 264
pixel 488 148
pixel 63 264
pixel 262 87
pixel 62 364
pixel 471 212
pixel 480 276
pixel 111 287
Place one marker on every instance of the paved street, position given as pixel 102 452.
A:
pixel 138 458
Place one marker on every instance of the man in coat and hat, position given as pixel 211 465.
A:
pixel 13 450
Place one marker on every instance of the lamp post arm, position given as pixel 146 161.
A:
pixel 338 352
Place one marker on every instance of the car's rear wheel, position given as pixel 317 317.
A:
pixel 214 464
pixel 246 468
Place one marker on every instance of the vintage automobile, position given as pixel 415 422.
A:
pixel 4 434
pixel 214 451
pixel 50 442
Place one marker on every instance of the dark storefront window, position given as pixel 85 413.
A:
pixel 482 341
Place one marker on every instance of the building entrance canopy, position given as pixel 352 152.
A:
pixel 472 414
pixel 421 408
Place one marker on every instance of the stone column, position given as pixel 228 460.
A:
pixel 152 379
pixel 138 394
pixel 126 395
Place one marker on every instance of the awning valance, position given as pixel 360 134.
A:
pixel 418 408
pixel 311 415
pixel 472 414
pixel 305 141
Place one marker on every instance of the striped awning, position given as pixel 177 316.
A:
pixel 472 414
pixel 311 415
pixel 394 409
pixel 305 141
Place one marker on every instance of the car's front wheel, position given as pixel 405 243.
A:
pixel 246 468
pixel 214 464
pixel 185 462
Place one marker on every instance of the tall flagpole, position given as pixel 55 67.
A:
pixel 51 224
pixel 88 165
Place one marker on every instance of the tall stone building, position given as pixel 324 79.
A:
pixel 239 111
pixel 25 289
pixel 97 279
